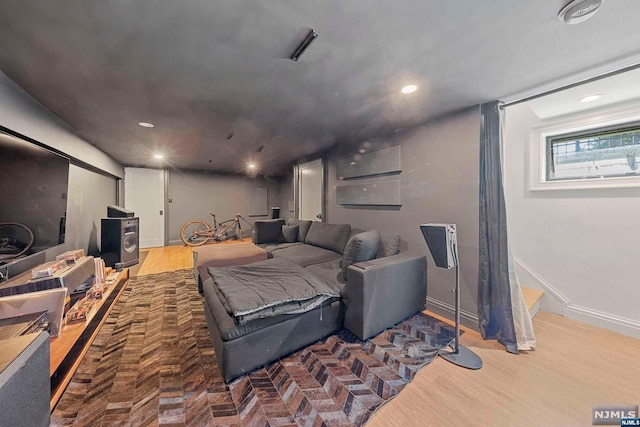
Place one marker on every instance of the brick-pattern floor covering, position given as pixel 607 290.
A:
pixel 153 364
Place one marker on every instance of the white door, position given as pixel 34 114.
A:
pixel 144 195
pixel 310 191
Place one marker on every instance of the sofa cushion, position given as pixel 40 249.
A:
pixel 361 247
pixel 389 245
pixel 268 231
pixel 303 227
pixel 329 236
pixel 330 271
pixel 355 231
pixel 305 255
pixel 290 233
pixel 270 247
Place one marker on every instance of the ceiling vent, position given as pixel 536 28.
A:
pixel 579 10
pixel 313 34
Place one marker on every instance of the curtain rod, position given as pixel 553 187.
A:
pixel 571 85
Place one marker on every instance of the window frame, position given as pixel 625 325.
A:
pixel 570 139
pixel 580 123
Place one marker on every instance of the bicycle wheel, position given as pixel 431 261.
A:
pixel 195 233
pixel 15 239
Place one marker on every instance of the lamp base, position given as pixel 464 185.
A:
pixel 464 357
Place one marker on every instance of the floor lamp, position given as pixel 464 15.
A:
pixel 442 242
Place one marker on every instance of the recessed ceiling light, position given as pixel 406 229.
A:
pixel 409 89
pixel 591 98
pixel 252 165
pixel 353 163
pixel 146 124
pixel 158 156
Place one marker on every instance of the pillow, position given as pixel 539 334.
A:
pixel 303 227
pixel 267 231
pixel 361 247
pixel 290 233
pixel 389 245
pixel 328 236
pixel 354 231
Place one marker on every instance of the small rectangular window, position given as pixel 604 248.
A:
pixel 597 153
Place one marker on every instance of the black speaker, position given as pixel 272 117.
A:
pixel 114 211
pixel 441 239
pixel 120 241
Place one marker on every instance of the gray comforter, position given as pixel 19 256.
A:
pixel 269 288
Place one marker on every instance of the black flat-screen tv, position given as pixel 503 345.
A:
pixel 33 197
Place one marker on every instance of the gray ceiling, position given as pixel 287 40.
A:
pixel 201 69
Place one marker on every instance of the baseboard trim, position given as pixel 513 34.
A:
pixel 583 314
pixel 467 318
pixel 603 320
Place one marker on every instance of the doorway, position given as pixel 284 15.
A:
pixel 144 191
pixel 311 191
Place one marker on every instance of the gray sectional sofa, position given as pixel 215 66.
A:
pixel 378 287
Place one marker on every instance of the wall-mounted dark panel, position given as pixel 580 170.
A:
pixel 381 162
pixel 258 202
pixel 385 193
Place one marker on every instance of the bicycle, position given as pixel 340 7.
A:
pixel 196 232
pixel 15 239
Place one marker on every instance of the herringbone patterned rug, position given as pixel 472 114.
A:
pixel 153 363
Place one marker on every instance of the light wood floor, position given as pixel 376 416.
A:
pixel 574 367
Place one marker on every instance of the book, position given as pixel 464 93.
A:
pixel 48 269
pixel 70 257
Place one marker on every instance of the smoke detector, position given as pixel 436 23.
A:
pixel 579 10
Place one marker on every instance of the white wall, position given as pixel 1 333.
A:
pixel 580 246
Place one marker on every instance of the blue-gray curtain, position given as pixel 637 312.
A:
pixel 494 292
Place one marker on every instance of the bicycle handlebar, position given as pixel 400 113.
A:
pixel 237 216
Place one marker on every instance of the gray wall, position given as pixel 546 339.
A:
pixel 193 195
pixel 439 183
pixel 89 195
pixel 286 196
pixel 21 113
pixel 89 192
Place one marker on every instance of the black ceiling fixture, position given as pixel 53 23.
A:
pixel 230 136
pixel 260 148
pixel 304 45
